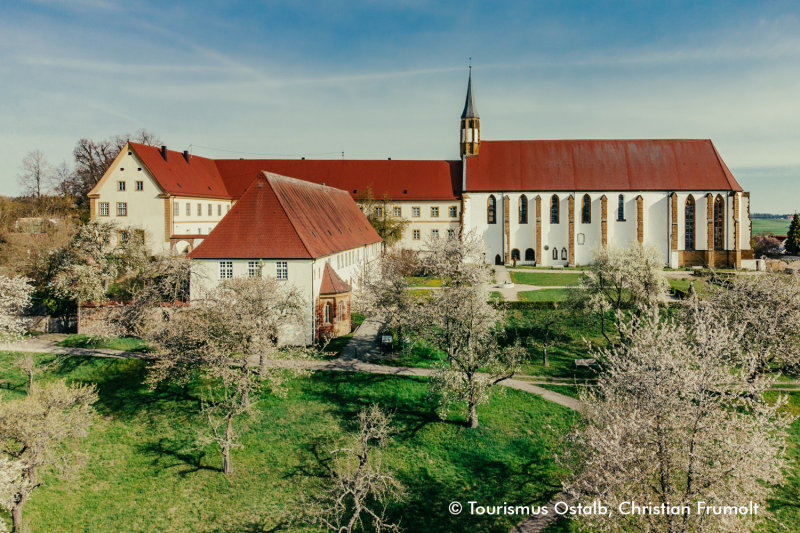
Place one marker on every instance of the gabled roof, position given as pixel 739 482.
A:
pixel 331 282
pixel 470 109
pixel 228 178
pixel 284 218
pixel 599 165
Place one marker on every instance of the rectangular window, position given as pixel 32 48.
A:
pixel 120 185
pixel 253 270
pixel 415 234
pixel 434 234
pixel 282 270
pixel 434 211
pixel 139 185
pixel 103 209
pixel 451 233
pixel 199 231
pixel 188 209
pixel 398 211
pixel 225 269
pixel 338 261
pixel 415 211
pixel 176 208
pixel 378 211
pixel 138 234
pixel 122 236
pixel 219 210
pixel 453 211
pixel 122 209
pixel 210 212
pixel 199 210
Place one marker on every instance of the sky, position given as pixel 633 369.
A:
pixel 388 79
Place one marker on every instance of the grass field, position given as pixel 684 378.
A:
pixel 528 267
pixel 495 295
pixel 557 279
pixel 778 226
pixel 700 285
pixel 424 282
pixel 126 344
pixel 543 295
pixel 145 474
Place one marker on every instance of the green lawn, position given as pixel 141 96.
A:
pixel 543 295
pixel 144 472
pixel 778 226
pixel 424 282
pixel 566 390
pixel 495 295
pixel 546 280
pixel 528 267
pixel 125 344
pixel 700 285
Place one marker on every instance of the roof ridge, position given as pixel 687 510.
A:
pixel 266 177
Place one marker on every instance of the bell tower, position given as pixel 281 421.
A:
pixel 470 123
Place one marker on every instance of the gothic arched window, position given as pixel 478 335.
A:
pixel 719 223
pixel 555 253
pixel 341 310
pixel 689 224
pixel 554 210
pixel 530 255
pixel 327 316
pixel 564 254
pixel 586 210
pixel 491 210
pixel 621 208
pixel 523 209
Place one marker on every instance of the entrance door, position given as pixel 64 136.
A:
pixel 497 260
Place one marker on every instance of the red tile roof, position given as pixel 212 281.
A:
pixel 598 165
pixel 401 180
pixel 332 283
pixel 228 178
pixel 284 218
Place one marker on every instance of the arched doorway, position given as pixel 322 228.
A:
pixel 497 260
pixel 530 255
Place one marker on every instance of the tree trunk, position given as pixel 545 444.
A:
pixel 16 514
pixel 227 468
pixel 544 356
pixel 473 415
pixel 30 380
pixel 262 365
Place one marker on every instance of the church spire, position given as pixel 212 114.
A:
pixel 470 123
pixel 470 110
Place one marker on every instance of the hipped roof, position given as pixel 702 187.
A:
pixel 284 218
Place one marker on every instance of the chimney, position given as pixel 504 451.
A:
pixel 186 155
pixel 164 152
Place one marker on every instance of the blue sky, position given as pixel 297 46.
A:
pixel 387 79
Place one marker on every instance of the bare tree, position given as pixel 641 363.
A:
pixel 63 181
pixel 37 431
pixel 35 176
pixel 547 326
pixel 767 305
pixel 221 337
pixel 623 279
pixel 360 484
pixel 672 423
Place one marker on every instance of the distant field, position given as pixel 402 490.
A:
pixel 778 226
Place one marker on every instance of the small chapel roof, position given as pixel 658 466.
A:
pixel 284 218
pixel 331 282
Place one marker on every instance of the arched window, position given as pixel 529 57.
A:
pixel 621 208
pixel 491 210
pixel 515 254
pixel 327 313
pixel 554 209
pixel 719 223
pixel 689 223
pixel 341 311
pixel 581 238
pixel 564 254
pixel 530 255
pixel 555 253
pixel 586 210
pixel 523 209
